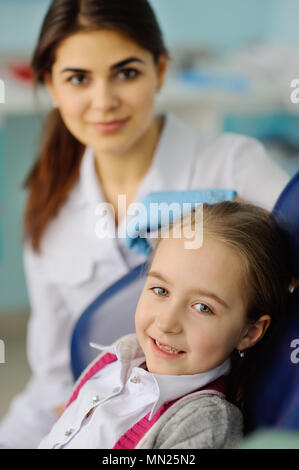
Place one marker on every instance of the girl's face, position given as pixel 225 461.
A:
pixel 192 305
pixel 104 85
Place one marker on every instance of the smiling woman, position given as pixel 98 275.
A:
pixel 108 103
pixel 104 100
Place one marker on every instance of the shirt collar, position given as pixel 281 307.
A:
pixel 170 387
pixel 174 386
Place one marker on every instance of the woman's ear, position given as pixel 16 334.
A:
pixel 254 332
pixel 49 85
pixel 162 67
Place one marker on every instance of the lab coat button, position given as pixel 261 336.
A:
pixel 56 445
pixel 135 379
pixel 69 431
pixel 95 399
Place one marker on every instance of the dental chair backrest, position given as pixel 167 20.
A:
pixel 274 400
pixel 101 324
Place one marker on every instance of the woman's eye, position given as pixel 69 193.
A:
pixel 77 80
pixel 203 308
pixel 160 291
pixel 128 74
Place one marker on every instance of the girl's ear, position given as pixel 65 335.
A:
pixel 254 332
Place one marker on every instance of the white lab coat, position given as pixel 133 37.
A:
pixel 75 265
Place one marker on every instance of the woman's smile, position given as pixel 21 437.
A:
pixel 111 126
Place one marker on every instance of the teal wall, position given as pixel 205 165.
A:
pixel 220 24
pixel 19 145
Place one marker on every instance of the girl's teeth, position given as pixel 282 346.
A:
pixel 168 349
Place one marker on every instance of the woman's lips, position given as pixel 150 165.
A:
pixel 112 126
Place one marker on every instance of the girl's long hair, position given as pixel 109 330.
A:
pixel 56 169
pixel 266 273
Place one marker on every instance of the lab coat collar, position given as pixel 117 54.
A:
pixel 131 356
pixel 171 167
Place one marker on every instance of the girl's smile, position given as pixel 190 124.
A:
pixel 165 350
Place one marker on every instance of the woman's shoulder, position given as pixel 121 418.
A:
pixel 183 128
pixel 65 249
pixel 212 152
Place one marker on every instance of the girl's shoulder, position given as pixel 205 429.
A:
pixel 200 420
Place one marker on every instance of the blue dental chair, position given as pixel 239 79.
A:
pixel 275 399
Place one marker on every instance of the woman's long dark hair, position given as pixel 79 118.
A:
pixel 57 166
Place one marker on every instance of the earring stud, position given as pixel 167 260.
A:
pixel 241 354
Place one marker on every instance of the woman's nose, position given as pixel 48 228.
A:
pixel 104 96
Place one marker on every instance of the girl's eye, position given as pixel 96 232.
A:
pixel 128 74
pixel 203 308
pixel 160 291
pixel 77 80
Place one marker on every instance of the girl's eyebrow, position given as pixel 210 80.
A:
pixel 212 295
pixel 157 275
pixel 118 65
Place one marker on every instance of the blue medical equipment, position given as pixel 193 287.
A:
pixel 102 322
pixel 163 207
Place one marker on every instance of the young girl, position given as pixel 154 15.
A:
pixel 178 382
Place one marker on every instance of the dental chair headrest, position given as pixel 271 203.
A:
pixel 286 212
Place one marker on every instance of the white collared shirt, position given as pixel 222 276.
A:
pixel 120 395
pixel 75 266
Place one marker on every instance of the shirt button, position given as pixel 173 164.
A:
pixel 116 390
pixel 69 431
pixel 135 379
pixel 95 399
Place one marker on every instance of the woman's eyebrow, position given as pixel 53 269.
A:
pixel 118 65
pixel 122 63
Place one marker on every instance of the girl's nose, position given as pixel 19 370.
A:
pixel 104 96
pixel 168 320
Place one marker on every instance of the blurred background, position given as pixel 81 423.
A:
pixel 231 70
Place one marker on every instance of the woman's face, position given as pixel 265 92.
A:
pixel 104 85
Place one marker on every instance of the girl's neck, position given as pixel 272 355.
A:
pixel 122 174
